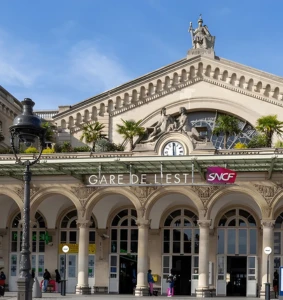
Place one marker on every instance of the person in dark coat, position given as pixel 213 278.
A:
pixel 57 279
pixel 46 278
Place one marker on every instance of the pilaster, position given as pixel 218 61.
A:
pixel 203 258
pixel 267 241
pixel 82 286
pixel 142 268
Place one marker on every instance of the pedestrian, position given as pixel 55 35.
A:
pixel 2 276
pixel 46 278
pixel 275 287
pixel 2 283
pixel 32 274
pixel 171 280
pixel 150 281
pixel 57 279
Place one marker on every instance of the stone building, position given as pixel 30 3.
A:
pixel 122 213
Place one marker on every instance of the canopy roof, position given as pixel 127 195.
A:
pixel 81 164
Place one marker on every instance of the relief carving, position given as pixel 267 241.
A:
pixel 204 223
pixel 268 223
pixel 143 223
pixel 268 191
pixel 205 192
pixel 82 193
pixel 20 191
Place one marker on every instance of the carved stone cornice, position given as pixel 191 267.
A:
pixel 204 223
pixel 143 223
pixel 267 223
pixel 83 223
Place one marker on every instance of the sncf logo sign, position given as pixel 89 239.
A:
pixel 220 175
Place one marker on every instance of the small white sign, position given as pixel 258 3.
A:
pixel 267 250
pixel 65 249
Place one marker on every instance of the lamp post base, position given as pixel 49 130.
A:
pixel 267 291
pixel 24 288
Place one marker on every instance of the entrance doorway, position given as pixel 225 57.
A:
pixel 236 276
pixel 181 266
pixel 128 274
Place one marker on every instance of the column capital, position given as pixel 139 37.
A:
pixel 143 223
pixel 267 223
pixel 204 223
pixel 83 223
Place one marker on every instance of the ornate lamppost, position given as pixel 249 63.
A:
pixel 26 129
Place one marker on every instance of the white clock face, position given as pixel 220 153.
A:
pixel 173 148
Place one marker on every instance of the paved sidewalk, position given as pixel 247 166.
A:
pixel 54 296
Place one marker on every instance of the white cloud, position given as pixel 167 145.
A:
pixel 61 73
pixel 93 68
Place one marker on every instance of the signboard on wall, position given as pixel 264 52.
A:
pixel 218 175
pixel 74 248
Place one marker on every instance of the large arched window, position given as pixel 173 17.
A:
pixel 39 239
pixel 69 231
pixel 124 232
pixel 237 233
pixel 278 242
pixel 181 233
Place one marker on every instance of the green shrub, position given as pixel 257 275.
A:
pixel 258 141
pixel 48 150
pixel 31 150
pixel 279 144
pixel 82 149
pixel 66 147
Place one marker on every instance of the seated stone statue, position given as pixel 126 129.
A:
pixel 182 124
pixel 165 124
pixel 202 39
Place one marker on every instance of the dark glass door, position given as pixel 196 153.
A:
pixel 236 276
pixel 128 274
pixel 181 267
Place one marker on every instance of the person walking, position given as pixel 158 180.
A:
pixel 2 283
pixel 150 281
pixel 46 278
pixel 171 280
pixel 57 279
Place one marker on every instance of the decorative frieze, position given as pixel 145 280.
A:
pixel 143 192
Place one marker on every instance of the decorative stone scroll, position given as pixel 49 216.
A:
pixel 143 223
pixel 267 223
pixel 204 223
pixel 84 223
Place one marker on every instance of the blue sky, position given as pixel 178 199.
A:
pixel 60 52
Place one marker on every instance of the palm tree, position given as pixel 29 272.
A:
pixel 226 125
pixel 92 133
pixel 129 130
pixel 268 125
pixel 49 131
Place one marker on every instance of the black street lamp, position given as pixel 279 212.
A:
pixel 26 129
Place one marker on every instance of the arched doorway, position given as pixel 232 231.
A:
pixel 38 244
pixel 69 235
pixel 237 244
pixel 180 250
pixel 124 248
pixel 278 240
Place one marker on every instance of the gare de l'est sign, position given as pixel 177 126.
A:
pixel 214 175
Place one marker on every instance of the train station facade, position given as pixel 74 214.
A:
pixel 153 207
